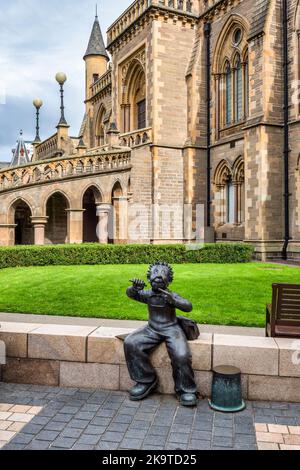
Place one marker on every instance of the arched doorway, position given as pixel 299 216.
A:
pixel 24 234
pixel 57 227
pixel 90 199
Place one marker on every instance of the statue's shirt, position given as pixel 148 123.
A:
pixel 161 313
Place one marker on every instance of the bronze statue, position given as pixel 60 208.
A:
pixel 163 325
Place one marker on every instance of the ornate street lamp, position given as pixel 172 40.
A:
pixel 37 103
pixel 61 78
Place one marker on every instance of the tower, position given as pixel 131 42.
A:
pixel 96 59
pixel 20 154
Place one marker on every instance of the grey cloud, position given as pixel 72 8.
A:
pixel 37 39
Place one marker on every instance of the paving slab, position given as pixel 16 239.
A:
pixel 158 423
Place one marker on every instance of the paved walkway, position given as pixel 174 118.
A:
pixel 97 322
pixel 39 417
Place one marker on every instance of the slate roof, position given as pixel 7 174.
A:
pixel 20 156
pixel 83 125
pixel 96 44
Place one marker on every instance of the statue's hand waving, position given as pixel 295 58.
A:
pixel 138 284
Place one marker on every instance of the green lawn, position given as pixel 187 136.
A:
pixel 221 294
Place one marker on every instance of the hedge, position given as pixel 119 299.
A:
pixel 92 254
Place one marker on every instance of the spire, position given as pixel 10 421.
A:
pixel 96 44
pixel 20 155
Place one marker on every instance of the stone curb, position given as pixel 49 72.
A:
pixel 93 357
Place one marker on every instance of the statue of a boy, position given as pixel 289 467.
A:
pixel 163 325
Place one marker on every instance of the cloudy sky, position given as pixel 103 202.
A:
pixel 37 39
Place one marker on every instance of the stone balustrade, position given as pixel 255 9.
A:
pixel 93 357
pixel 62 168
pixel 139 137
pixel 102 84
pixel 47 148
pixel 138 7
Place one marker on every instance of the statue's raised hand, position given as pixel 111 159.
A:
pixel 138 284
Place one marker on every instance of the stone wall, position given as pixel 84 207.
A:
pixel 91 357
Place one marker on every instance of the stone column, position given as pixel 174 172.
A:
pixel 75 225
pixel 103 211
pixel 39 224
pixel 122 215
pixel 236 203
pixel 7 234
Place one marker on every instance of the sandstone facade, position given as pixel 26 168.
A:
pixel 144 137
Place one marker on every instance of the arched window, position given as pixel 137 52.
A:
pixel 246 85
pixel 228 93
pixel 230 195
pixel 238 92
pixel 134 102
pixel 230 67
pixel 230 192
pixel 100 133
pixel 239 183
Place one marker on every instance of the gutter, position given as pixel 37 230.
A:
pixel 207 34
pixel 286 148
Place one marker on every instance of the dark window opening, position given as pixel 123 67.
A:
pixel 141 114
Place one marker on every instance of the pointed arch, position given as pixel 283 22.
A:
pixel 238 169
pixel 230 192
pixel 11 210
pixel 100 126
pixel 223 173
pixel 56 207
pixel 233 22
pixel 91 197
pixel 20 213
pixel 134 101
pixel 230 65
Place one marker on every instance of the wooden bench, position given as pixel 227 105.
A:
pixel 283 315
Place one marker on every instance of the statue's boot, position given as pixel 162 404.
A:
pixel 141 391
pixel 188 399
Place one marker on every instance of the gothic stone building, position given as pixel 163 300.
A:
pixel 198 105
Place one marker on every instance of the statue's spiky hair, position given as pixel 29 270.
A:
pixel 166 266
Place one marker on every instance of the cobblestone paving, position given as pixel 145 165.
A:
pixel 94 419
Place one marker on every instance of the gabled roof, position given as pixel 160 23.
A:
pixel 96 44
pixel 20 155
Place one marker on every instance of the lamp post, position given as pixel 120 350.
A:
pixel 37 103
pixel 61 79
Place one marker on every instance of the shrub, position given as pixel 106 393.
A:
pixel 93 254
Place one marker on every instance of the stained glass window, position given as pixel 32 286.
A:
pixel 238 90
pixel 228 94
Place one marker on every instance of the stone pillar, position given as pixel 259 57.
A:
pixel 103 211
pixel 39 224
pixel 7 234
pixel 62 136
pixel 75 225
pixel 122 222
pixel 112 135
